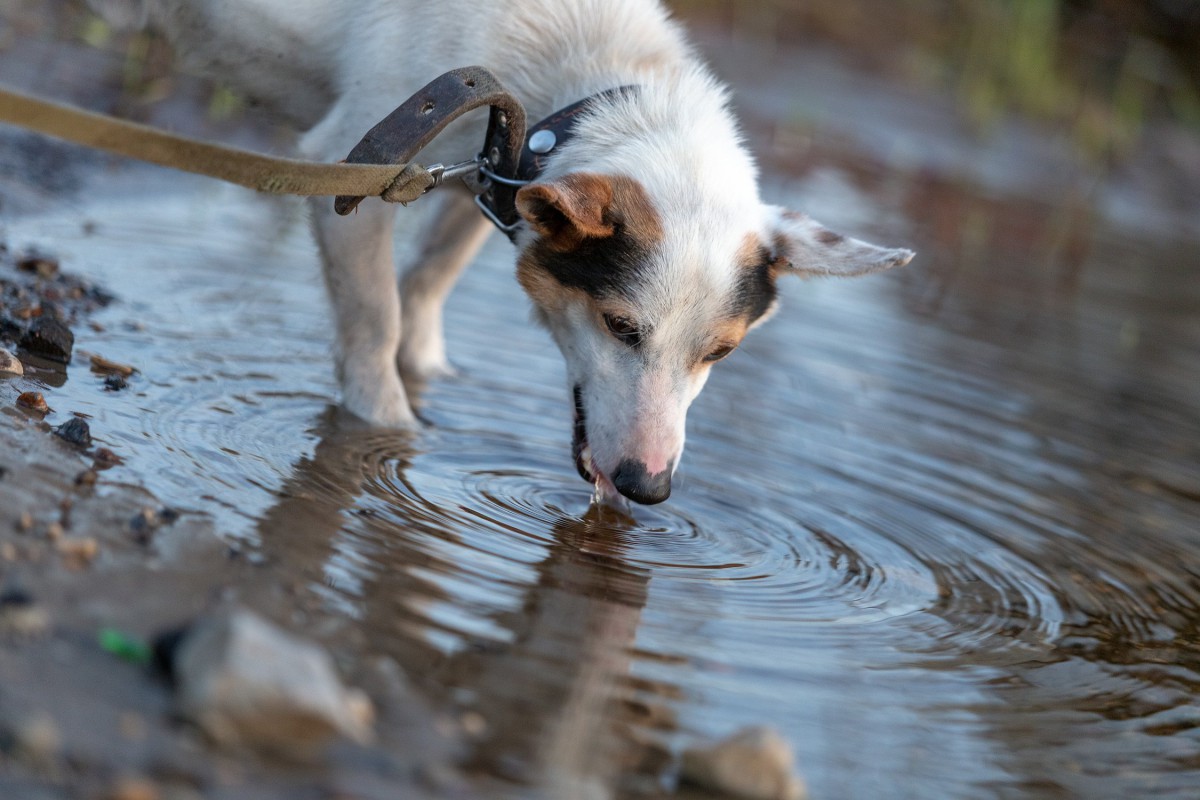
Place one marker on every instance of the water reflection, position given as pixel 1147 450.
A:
pixel 547 672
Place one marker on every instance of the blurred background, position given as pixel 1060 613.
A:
pixel 1045 113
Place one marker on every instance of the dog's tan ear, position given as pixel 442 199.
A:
pixel 569 209
pixel 806 247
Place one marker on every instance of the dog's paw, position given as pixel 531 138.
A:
pixel 383 404
pixel 417 370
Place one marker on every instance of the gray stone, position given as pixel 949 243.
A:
pixel 246 682
pixel 754 763
pixel 49 338
pixel 75 431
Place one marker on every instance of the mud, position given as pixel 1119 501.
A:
pixel 937 527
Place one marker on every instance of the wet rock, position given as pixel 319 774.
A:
pixel 115 383
pixel 75 431
pixel 246 682
pixel 147 521
pixel 42 266
pixel 10 329
pixel 105 458
pixel 21 616
pixel 86 478
pixel 755 763
pixel 34 402
pixel 9 364
pixel 35 739
pixel 77 552
pixel 104 366
pixel 49 338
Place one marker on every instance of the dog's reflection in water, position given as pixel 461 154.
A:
pixel 551 680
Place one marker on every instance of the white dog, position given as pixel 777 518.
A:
pixel 644 245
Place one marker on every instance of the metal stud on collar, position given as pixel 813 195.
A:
pixel 542 142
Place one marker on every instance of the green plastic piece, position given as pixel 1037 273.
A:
pixel 124 646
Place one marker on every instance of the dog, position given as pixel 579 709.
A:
pixel 643 244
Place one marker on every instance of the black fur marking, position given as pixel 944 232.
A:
pixel 601 266
pixel 579 435
pixel 755 292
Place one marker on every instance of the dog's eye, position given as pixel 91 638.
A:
pixel 624 329
pixel 720 352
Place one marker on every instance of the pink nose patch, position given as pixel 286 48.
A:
pixel 656 464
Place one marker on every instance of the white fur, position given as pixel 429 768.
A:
pixel 336 68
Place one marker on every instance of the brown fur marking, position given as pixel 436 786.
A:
pixel 830 238
pixel 596 231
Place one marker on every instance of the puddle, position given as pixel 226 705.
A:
pixel 940 528
pixel 957 549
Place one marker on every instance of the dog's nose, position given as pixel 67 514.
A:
pixel 633 481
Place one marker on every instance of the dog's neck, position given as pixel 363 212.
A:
pixel 553 53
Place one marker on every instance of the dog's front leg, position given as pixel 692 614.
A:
pixel 457 234
pixel 361 279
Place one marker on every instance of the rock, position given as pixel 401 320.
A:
pixel 755 763
pixel 115 383
pixel 75 431
pixel 9 365
pixel 34 401
pixel 106 458
pixel 77 552
pixel 10 328
pixel 35 739
pixel 106 367
pixel 246 682
pixel 21 616
pixel 49 338
pixel 42 266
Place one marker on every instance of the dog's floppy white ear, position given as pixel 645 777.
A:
pixel 569 209
pixel 807 247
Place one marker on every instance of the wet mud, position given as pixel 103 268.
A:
pixel 937 527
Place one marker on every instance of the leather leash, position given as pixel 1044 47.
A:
pixel 379 165
pixel 245 168
pixel 402 134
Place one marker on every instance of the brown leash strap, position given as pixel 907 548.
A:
pixel 406 131
pixel 245 168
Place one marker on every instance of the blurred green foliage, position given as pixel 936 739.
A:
pixel 1098 68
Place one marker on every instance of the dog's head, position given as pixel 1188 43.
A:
pixel 646 282
pixel 643 300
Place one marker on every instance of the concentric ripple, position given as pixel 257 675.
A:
pixel 933 556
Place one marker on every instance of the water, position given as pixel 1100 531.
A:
pixel 940 528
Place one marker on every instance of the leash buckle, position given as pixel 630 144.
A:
pixel 463 169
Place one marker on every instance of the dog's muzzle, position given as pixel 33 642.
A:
pixel 630 478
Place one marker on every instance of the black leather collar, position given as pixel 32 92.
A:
pixel 512 157
pixel 542 142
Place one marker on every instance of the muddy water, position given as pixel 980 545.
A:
pixel 940 528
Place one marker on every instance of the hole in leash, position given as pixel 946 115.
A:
pixel 429 105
